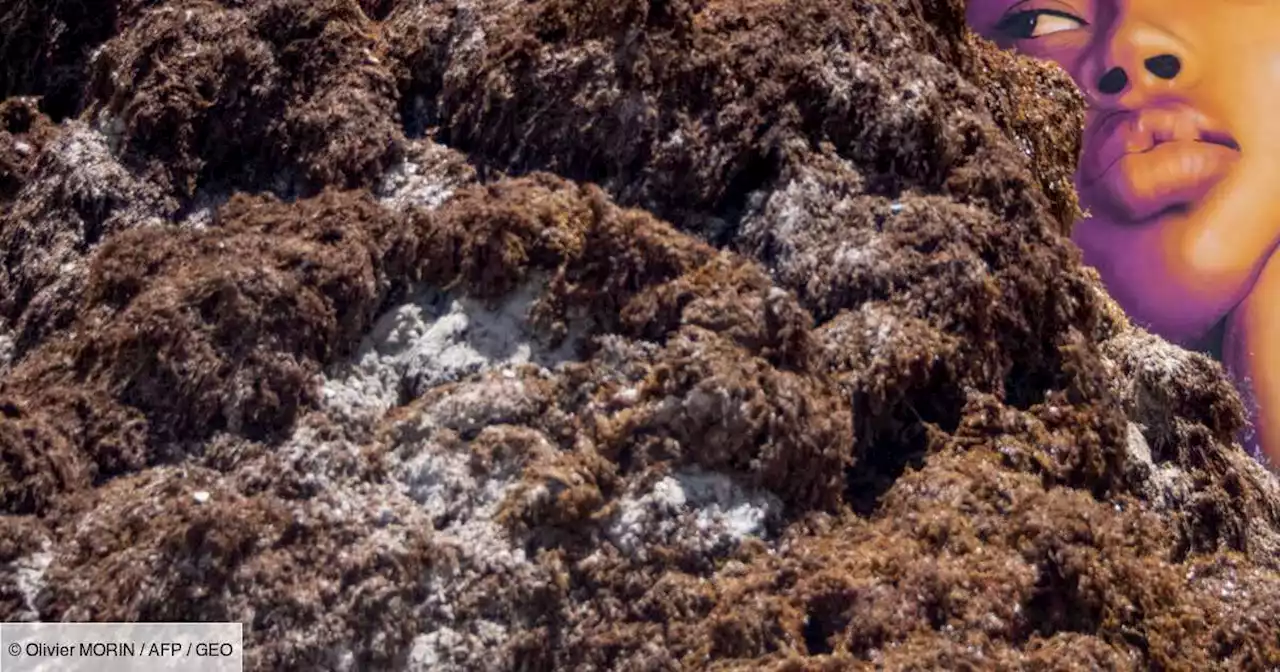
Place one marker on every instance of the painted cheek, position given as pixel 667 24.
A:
pixel 1054 51
pixel 1068 51
pixel 982 15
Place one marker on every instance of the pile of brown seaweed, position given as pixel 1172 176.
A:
pixel 587 335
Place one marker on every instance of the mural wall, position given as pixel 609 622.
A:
pixel 1180 169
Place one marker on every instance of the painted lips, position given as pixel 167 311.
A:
pixel 1147 161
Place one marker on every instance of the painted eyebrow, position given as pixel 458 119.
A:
pixel 1062 13
pixel 1001 23
pixel 1009 10
pixel 993 13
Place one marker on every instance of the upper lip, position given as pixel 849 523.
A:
pixel 1110 136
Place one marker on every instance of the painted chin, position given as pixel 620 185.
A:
pixel 1166 179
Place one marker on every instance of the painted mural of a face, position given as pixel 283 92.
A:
pixel 1180 169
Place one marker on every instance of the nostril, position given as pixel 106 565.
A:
pixel 1164 66
pixel 1113 81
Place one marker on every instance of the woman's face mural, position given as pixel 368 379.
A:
pixel 1180 169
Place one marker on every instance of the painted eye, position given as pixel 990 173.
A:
pixel 1035 23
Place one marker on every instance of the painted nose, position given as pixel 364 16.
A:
pixel 1164 66
pixel 1113 81
pixel 1135 58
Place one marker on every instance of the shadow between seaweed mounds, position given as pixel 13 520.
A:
pixel 804 373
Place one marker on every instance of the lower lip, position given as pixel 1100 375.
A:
pixel 1168 175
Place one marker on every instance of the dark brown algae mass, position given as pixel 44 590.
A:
pixel 592 335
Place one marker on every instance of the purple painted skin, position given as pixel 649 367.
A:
pixel 1132 282
pixel 1180 168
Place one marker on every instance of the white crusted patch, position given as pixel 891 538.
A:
pixel 79 170
pixel 84 164
pixel 407 185
pixel 29 575
pixel 448 649
pixel 463 500
pixel 6 350
pixel 434 339
pixel 703 512
pixel 1158 360
pixel 78 196
pixel 855 256
pixel 882 326
pixel 1167 485
pixel 484 403
pixel 321 464
pixel 437 470
pixel 203 207
pixel 426 178
pixel 432 484
pixel 460 455
pixel 803 226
